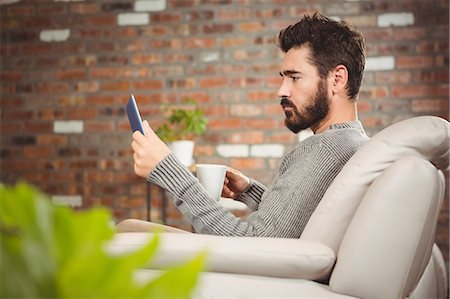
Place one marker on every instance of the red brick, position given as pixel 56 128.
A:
pixel 165 17
pixel 409 33
pixel 178 58
pixel 100 20
pixel 284 137
pixel 13 102
pixel 94 176
pixel 213 82
pixel 227 123
pixel 167 70
pixel 199 15
pixel 100 100
pixel 10 127
pixel 20 10
pixel 141 72
pixel 200 43
pixel 419 91
pixel 249 54
pixel 273 109
pixel 74 60
pixel 250 137
pixel 15 114
pixel 247 82
pixel 51 139
pixel 84 8
pixel 149 84
pixel 38 126
pixel 82 113
pixel 393 77
pixel 441 61
pixel 185 83
pixel 88 87
pixel 116 86
pixel 413 62
pixel 52 88
pixel 256 96
pixel 364 106
pixel 98 126
pixel 163 44
pixel 260 124
pixel 431 76
pixel 52 10
pixel 71 100
pixel 431 46
pixel 429 105
pixel 245 110
pixel 233 15
pixel 199 97
pixel 38 152
pixel 146 59
pixel 217 28
pixel 203 150
pixel 10 76
pixel 247 163
pixel 235 41
pixel 374 92
pixel 251 26
pixel 51 164
pixel 11 24
pixel 105 72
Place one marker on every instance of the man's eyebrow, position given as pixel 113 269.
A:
pixel 289 73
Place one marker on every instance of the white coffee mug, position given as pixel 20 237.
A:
pixel 211 176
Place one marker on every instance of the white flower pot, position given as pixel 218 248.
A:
pixel 183 150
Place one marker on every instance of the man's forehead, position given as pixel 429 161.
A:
pixel 296 60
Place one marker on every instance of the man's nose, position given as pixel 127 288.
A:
pixel 284 90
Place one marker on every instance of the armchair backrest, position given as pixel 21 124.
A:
pixel 425 137
pixel 388 243
pixel 380 213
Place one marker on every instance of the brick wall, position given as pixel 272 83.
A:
pixel 68 67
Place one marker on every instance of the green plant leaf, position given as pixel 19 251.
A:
pixel 49 251
pixel 183 123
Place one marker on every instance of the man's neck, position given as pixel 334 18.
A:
pixel 336 117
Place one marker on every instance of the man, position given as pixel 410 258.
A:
pixel 321 75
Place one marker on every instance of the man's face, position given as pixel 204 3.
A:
pixel 303 93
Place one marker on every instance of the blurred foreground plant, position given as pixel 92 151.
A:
pixel 48 251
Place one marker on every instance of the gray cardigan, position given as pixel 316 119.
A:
pixel 281 210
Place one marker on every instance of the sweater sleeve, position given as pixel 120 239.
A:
pixel 205 214
pixel 252 196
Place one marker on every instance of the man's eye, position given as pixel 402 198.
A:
pixel 295 78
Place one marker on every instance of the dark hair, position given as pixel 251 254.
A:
pixel 332 43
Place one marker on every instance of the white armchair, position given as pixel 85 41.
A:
pixel 372 235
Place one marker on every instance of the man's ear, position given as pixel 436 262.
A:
pixel 339 77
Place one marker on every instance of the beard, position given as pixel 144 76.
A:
pixel 315 110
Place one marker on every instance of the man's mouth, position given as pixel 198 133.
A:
pixel 288 111
pixel 287 106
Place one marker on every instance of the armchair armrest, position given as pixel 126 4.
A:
pixel 274 257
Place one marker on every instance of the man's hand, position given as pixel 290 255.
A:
pixel 235 183
pixel 148 151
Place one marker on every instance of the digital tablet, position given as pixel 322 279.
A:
pixel 133 115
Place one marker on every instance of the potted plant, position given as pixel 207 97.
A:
pixel 183 124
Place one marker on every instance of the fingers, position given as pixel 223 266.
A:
pixel 147 128
pixel 137 135
pixel 227 192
